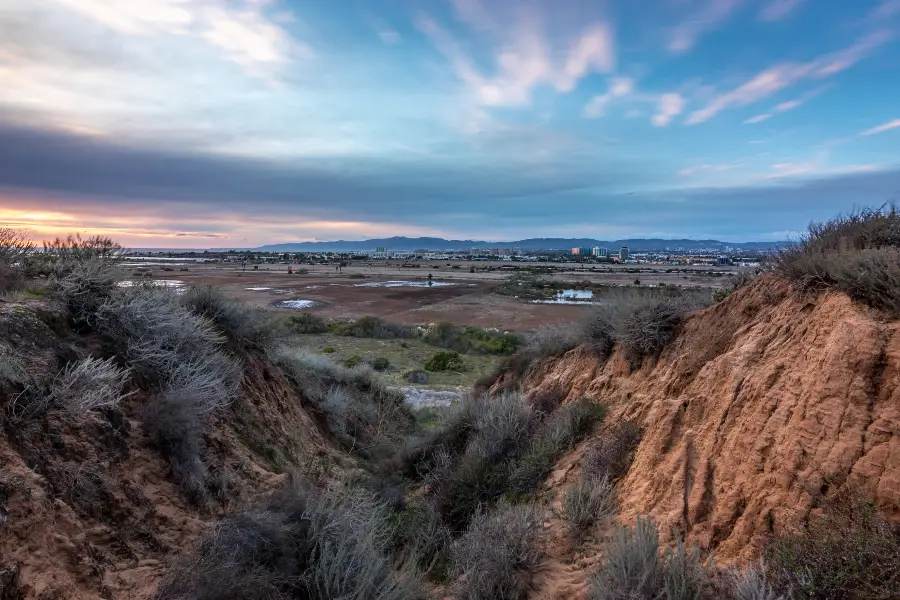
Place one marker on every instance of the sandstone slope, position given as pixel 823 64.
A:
pixel 762 402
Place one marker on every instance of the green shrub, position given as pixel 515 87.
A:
pixel 470 339
pixel 353 361
pixel 497 554
pixel 381 364
pixel 845 550
pixel 307 323
pixel 329 350
pixel 445 360
pixel 584 503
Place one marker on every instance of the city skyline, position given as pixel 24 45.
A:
pixel 214 123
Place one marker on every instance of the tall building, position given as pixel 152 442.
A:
pixel 576 251
pixel 623 253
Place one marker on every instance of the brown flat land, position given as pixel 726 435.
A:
pixel 458 296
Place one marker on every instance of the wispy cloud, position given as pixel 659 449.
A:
pixel 693 170
pixel 776 10
pixel 882 128
pixel 619 87
pixel 786 75
pixel 788 105
pixel 670 106
pixel 887 9
pixel 707 18
pixel 389 36
pixel 525 58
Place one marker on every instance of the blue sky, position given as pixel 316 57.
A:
pixel 239 122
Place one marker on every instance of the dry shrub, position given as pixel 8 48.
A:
pixel 612 454
pixel 358 410
pixel 15 248
pixel 300 544
pixel 855 253
pixel 751 584
pixel 307 323
pixel 634 569
pixel 87 385
pixel 550 341
pixel 845 550
pixel 244 325
pixel 178 353
pixel 497 553
pixel 86 286
pixel 584 503
pixel 651 324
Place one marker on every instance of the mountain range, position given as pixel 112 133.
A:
pixel 406 244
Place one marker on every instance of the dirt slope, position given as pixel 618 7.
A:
pixel 87 507
pixel 761 402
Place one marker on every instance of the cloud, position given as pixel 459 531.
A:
pixel 784 75
pixel 619 87
pixel 246 36
pixel 882 128
pixel 709 168
pixel 524 57
pixel 787 105
pixel 670 105
pixel 389 36
pixel 776 10
pixel 707 18
pixel 886 10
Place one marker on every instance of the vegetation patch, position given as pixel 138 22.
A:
pixel 844 550
pixel 445 360
pixel 856 253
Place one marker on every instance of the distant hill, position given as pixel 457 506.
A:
pixel 405 244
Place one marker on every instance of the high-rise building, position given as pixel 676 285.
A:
pixel 576 251
pixel 623 253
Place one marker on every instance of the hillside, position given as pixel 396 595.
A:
pixel 404 244
pixel 762 404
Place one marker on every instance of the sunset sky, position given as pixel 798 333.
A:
pixel 224 123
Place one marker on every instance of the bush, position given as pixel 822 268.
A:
pixel 86 285
pixel 556 436
pixel 751 584
pixel 497 554
pixel 445 360
pixel 329 350
pixel 300 544
pixel 177 353
pixel 854 253
pixel 307 323
pixel 634 568
pixel 373 327
pixel 584 503
pixel 470 339
pixel 363 415
pixel 381 364
pixel 416 376
pixel 88 384
pixel 353 361
pixel 242 324
pixel 611 456
pixel 545 342
pixel 600 332
pixel 653 322
pixel 15 249
pixel 845 550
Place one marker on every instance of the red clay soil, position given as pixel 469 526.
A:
pixel 88 509
pixel 763 402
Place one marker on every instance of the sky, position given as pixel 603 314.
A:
pixel 235 123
